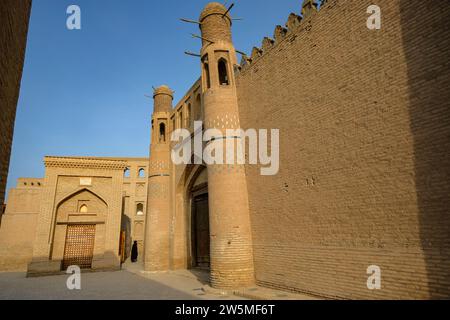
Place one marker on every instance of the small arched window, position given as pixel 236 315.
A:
pixel 207 76
pixel 140 209
pixel 83 209
pixel 223 72
pixel 198 108
pixel 188 116
pixel 126 173
pixel 162 132
pixel 181 118
pixel 153 131
pixel 141 173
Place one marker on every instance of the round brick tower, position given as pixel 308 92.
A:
pixel 156 255
pixel 231 241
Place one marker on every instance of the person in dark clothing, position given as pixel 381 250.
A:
pixel 134 252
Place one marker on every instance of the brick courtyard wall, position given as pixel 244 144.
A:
pixel 14 16
pixel 19 224
pixel 364 139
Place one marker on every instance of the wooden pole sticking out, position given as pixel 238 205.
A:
pixel 190 21
pixel 199 37
pixel 226 12
pixel 192 54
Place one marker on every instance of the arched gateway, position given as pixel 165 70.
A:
pixel 79 226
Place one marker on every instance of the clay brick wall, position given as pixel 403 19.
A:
pixel 19 225
pixel 364 139
pixel 14 16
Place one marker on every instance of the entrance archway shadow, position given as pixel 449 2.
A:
pixel 202 275
pixel 194 185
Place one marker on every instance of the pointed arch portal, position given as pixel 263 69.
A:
pixel 79 228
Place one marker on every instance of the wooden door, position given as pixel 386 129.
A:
pixel 200 232
pixel 79 248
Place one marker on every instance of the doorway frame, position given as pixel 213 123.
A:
pixel 197 191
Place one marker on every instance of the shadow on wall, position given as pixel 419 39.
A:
pixel 427 48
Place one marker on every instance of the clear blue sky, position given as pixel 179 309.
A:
pixel 82 91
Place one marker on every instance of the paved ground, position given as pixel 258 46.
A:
pixel 129 284
pixel 255 292
pixel 125 284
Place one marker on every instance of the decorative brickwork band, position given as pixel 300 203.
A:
pixel 84 163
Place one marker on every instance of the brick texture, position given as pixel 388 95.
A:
pixel 364 137
pixel 14 16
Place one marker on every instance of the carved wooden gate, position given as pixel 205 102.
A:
pixel 79 249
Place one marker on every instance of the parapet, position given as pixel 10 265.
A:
pixel 214 8
pixel 294 22
pixel 29 183
pixel 162 90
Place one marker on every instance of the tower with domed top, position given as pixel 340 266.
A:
pixel 156 255
pixel 231 241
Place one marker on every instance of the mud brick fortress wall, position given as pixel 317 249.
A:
pixel 364 121
pixel 14 16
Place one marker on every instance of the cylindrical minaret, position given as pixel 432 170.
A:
pixel 231 241
pixel 156 255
